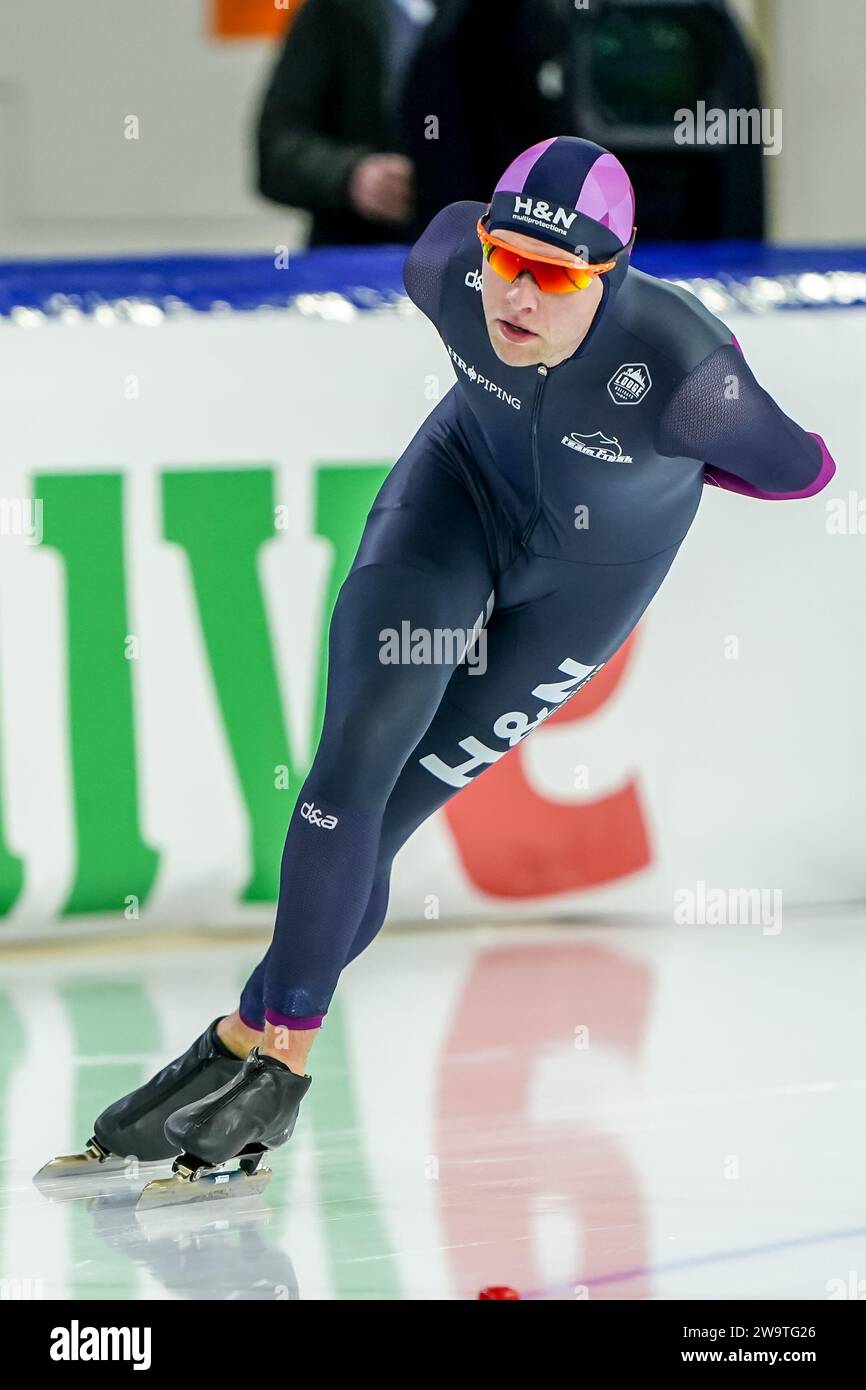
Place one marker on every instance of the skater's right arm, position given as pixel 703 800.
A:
pixel 425 265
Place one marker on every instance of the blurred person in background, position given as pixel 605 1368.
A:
pixel 377 116
pixel 379 112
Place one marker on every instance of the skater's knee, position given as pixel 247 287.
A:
pixel 365 745
pixel 359 757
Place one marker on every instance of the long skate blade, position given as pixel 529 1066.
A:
pixel 178 1191
pixel 67 1165
pixel 83 1175
pixel 247 1211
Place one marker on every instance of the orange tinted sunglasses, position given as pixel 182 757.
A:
pixel 551 275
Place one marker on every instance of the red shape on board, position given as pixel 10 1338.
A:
pixel 516 843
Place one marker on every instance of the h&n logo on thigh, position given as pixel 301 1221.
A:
pixel 513 726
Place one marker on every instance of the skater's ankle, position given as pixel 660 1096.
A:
pixel 290 1046
pixel 278 1055
pixel 238 1036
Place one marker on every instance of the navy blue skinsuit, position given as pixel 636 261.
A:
pixel 548 504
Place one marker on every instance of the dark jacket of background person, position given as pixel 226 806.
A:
pixel 480 68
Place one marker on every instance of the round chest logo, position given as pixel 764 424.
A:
pixel 629 383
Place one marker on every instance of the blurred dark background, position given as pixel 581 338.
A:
pixel 379 112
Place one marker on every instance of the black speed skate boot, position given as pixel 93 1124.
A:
pixel 134 1126
pixel 253 1112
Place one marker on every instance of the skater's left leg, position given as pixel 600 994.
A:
pixel 538 652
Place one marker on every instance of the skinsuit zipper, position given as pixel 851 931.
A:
pixel 536 466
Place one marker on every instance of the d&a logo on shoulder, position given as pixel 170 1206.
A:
pixel 629 383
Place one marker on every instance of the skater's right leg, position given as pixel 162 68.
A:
pixel 424 565
pixel 377 709
pixel 376 713
pixel 423 575
pixel 244 1028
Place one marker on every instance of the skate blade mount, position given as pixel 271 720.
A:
pixel 77 1174
pixel 195 1181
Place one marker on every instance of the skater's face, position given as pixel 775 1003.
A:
pixel 527 326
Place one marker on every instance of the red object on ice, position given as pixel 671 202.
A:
pixel 498 1291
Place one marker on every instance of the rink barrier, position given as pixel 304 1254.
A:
pixel 338 283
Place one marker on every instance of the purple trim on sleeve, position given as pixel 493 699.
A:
pixel 287 1021
pixel 731 483
pixel 248 1023
pixel 736 344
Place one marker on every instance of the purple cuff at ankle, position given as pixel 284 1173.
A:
pixel 248 1023
pixel 287 1021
